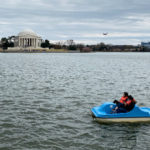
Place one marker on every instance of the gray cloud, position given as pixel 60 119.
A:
pixel 126 21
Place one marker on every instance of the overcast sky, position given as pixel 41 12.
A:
pixel 84 21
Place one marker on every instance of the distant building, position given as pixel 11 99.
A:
pixel 27 39
pixel 86 49
pixel 145 44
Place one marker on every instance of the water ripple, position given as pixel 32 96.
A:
pixel 45 100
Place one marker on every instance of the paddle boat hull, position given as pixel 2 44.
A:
pixel 105 114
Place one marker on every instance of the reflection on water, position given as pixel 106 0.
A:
pixel 45 100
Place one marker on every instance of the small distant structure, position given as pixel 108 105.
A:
pixel 145 44
pixel 86 49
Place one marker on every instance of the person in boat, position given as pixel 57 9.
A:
pixel 121 104
pixel 130 103
pixel 120 108
pixel 123 99
pixel 126 106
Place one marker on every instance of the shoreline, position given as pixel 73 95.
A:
pixel 40 51
pixel 80 52
pixel 67 51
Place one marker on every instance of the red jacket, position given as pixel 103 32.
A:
pixel 129 102
pixel 123 99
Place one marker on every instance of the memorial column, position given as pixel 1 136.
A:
pixel 19 42
pixel 32 42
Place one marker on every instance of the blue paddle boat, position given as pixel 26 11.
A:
pixel 105 114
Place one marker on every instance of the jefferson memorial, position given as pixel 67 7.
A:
pixel 27 40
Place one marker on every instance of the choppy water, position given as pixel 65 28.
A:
pixel 45 100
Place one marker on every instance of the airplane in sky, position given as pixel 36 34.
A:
pixel 105 33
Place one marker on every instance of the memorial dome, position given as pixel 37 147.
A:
pixel 27 32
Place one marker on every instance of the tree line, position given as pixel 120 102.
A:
pixel 71 45
pixel 7 42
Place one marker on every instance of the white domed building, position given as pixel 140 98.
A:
pixel 27 39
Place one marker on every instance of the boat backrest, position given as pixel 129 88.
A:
pixel 137 111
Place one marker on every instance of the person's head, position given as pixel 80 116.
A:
pixel 125 94
pixel 130 97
